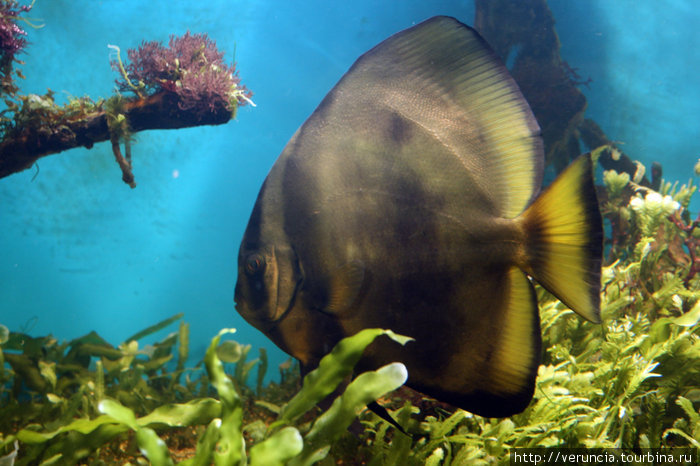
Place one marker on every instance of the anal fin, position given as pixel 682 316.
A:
pixel 517 354
pixel 502 382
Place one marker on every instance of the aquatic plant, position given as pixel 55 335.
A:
pixel 190 67
pixel 131 389
pixel 182 85
pixel 12 41
pixel 11 35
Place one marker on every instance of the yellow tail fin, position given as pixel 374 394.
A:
pixel 565 239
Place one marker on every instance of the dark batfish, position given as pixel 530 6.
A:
pixel 408 200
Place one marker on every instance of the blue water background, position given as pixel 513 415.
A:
pixel 81 251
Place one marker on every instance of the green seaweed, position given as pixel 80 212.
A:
pixel 155 328
pixel 332 370
pixel 330 425
pixel 85 430
pixel 280 447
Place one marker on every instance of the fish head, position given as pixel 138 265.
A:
pixel 268 280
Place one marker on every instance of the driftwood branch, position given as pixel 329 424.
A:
pixel 593 136
pixel 22 149
pixel 523 32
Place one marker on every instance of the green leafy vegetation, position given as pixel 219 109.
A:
pixel 631 382
pixel 131 390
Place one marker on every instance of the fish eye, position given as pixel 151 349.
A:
pixel 254 263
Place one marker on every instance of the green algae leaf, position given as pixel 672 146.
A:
pixel 163 347
pixel 231 445
pixel 279 448
pixel 99 350
pixel 273 408
pixel 92 337
pixel 48 372
pixel 680 433
pixel 442 429
pixel 28 345
pixel 256 430
pixel 690 318
pixel 660 330
pixel 154 328
pixel 55 399
pixel 83 426
pixel 687 406
pixel 184 348
pixel 6 441
pixel 149 443
pixel 436 457
pixel 366 387
pixel 615 182
pixel 206 445
pixel 196 412
pixel 400 445
pixel 332 370
pixel 643 371
pixel 73 447
pixel 243 367
pixel 118 412
pixel 154 364
pixel 229 351
pixel 4 334
pixel 153 447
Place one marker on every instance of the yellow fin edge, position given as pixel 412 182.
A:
pixel 564 236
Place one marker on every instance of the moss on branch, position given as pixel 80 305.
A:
pixel 184 84
pixel 20 150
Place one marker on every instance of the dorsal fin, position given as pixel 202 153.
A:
pixel 443 77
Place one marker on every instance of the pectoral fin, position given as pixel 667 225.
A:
pixel 346 283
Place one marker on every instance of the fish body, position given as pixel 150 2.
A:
pixel 409 200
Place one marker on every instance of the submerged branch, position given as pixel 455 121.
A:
pixel 22 149
pixel 593 136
